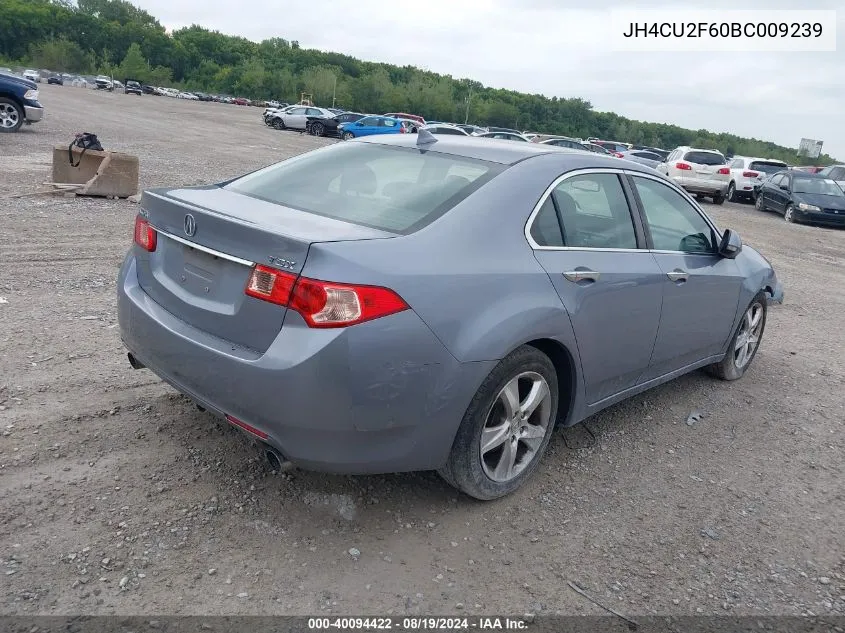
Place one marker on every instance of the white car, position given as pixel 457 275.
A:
pixel 296 117
pixel 444 128
pixel 503 136
pixel 32 75
pixel 189 96
pixel 702 172
pixel 835 173
pixel 748 173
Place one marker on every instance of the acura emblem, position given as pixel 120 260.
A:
pixel 190 225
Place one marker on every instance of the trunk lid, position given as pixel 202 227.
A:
pixel 208 242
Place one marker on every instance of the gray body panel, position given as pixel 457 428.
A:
pixel 388 395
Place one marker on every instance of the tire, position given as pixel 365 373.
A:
pixel 347 136
pixel 318 129
pixel 730 196
pixel 789 214
pixel 729 368
pixel 11 115
pixel 699 196
pixel 517 441
pixel 759 204
pixel 278 124
pixel 718 199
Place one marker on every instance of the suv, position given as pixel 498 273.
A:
pixel 835 173
pixel 133 88
pixel 18 103
pixel 104 83
pixel 747 174
pixel 32 75
pixel 702 172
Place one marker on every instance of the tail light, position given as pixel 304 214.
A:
pixel 750 174
pixel 724 171
pixel 145 235
pixel 618 154
pixel 323 304
pixel 683 166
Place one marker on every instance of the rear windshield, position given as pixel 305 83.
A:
pixel 705 158
pixel 816 185
pixel 393 189
pixel 767 167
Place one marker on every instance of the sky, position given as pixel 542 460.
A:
pixel 567 48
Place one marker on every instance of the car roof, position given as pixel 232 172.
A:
pixel 479 148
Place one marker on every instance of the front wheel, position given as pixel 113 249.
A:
pixel 745 342
pixel 759 204
pixel 347 136
pixel 789 214
pixel 11 115
pixel 278 124
pixel 506 428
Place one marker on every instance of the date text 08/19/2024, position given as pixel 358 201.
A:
pixel 419 623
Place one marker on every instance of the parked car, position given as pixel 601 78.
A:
pixel 493 128
pixel 322 126
pixel 598 149
pixel 803 197
pixel 643 157
pixel 357 342
pixel 5 70
pixel 79 82
pixel 703 172
pixel 748 173
pixel 654 150
pixel 835 173
pixel 372 126
pixel 133 87
pixel 472 129
pixel 56 80
pixel 403 115
pixel 504 136
pixel 32 75
pixel 296 117
pixel 444 128
pixel 808 169
pixel 241 101
pixel 189 96
pixel 564 141
pixel 614 147
pixel 18 103
pixel 101 82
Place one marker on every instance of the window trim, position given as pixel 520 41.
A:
pixel 636 219
pixel 641 211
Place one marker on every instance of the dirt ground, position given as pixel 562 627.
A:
pixel 118 496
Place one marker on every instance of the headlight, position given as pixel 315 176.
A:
pixel 32 95
pixel 807 207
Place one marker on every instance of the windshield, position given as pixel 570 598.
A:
pixel 818 186
pixel 767 167
pixel 388 188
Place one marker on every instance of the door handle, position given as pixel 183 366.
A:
pixel 581 275
pixel 678 275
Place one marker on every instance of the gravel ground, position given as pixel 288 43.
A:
pixel 118 496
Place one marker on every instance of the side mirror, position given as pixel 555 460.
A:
pixel 784 187
pixel 731 244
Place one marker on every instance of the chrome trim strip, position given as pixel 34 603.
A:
pixel 205 249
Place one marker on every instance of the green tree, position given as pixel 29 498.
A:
pixel 134 66
pixel 61 54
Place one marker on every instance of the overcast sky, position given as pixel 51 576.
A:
pixel 562 48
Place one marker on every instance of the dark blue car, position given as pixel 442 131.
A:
pixel 803 197
pixel 18 102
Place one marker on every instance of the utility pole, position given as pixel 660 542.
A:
pixel 334 90
pixel 469 98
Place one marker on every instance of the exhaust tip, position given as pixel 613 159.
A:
pixel 134 362
pixel 276 461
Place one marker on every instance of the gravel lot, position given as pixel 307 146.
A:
pixel 118 496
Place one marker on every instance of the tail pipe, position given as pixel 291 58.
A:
pixel 136 364
pixel 276 460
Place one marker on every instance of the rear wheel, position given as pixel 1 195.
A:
pixel 731 194
pixel 718 199
pixel 745 342
pixel 11 115
pixel 506 428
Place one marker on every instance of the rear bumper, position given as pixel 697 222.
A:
pixel 383 396
pixel 707 187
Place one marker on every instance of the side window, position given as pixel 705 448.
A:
pixel 369 121
pixel 546 228
pixel 297 111
pixel 837 173
pixel 388 122
pixel 594 212
pixel 675 225
pixel 314 112
pixel 777 180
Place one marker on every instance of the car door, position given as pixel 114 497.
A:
pixel 365 127
pixel 584 235
pixel 296 118
pixel 700 288
pixel 780 194
pixel 768 188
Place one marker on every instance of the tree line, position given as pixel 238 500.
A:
pixel 115 37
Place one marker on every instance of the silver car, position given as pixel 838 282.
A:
pixel 702 172
pixel 417 302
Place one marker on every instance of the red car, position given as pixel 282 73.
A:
pixel 812 170
pixel 240 101
pixel 405 115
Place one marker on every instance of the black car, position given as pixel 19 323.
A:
pixel 148 90
pixel 56 80
pixel 320 126
pixel 803 197
pixel 132 87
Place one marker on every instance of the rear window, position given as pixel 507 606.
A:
pixel 767 167
pixel 705 158
pixel 393 189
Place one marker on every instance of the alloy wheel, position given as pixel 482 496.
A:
pixel 748 338
pixel 731 192
pixel 515 426
pixel 317 129
pixel 789 214
pixel 9 115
